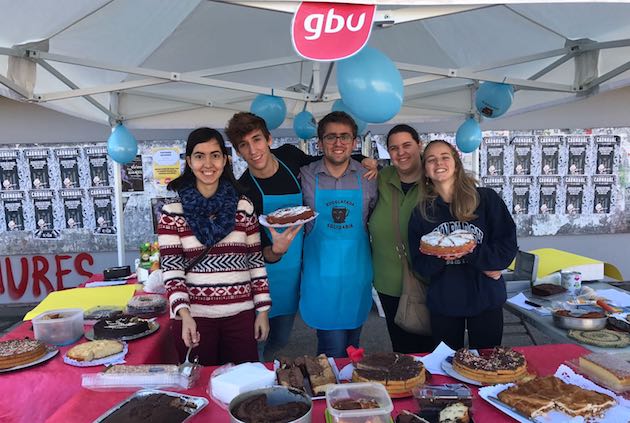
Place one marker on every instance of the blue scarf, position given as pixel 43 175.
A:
pixel 211 219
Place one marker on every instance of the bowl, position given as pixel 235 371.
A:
pixel 276 395
pixel 579 323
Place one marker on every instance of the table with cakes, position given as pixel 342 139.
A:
pixel 105 354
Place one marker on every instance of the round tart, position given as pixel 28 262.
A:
pixel 601 338
pixel 457 242
pixel 17 352
pixel 397 372
pixel 502 365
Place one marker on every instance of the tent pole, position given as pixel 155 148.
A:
pixel 120 217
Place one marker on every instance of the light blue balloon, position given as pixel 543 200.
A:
pixel 370 85
pixel 493 99
pixel 121 145
pixel 340 106
pixel 271 108
pixel 304 125
pixel 468 137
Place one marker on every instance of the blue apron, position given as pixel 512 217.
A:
pixel 284 276
pixel 336 290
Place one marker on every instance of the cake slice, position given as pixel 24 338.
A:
pixel 291 377
pixel 455 413
pixel 320 374
pixel 612 369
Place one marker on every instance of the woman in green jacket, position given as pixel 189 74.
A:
pixel 404 147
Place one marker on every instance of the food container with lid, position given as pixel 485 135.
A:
pixel 59 327
pixel 440 396
pixel 369 392
pixel 275 395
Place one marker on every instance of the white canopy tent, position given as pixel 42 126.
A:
pixel 165 64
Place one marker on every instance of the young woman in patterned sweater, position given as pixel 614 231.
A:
pixel 211 259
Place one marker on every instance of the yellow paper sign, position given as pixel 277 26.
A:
pixel 166 165
pixel 84 298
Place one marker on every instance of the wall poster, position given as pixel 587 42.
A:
pixel 13 210
pixel 497 183
pixel 132 175
pixel 102 199
pixel 521 186
pixel 38 165
pixel 575 189
pixel 73 208
pixel 43 208
pixel 494 148
pixel 68 159
pixel 549 153
pixel 523 154
pixel 99 167
pixel 577 146
pixel 9 179
pixel 606 146
pixel 548 195
pixel 603 193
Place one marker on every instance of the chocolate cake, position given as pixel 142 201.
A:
pixel 546 289
pixel 291 377
pixel 154 408
pixel 397 372
pixel 289 215
pixel 256 410
pixel 118 327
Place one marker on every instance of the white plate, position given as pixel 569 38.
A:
pixel 110 359
pixel 449 370
pixel 153 326
pixel 52 351
pixel 263 221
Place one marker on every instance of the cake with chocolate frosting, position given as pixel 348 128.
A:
pixel 118 327
pixel 500 365
pixel 290 215
pixel 438 244
pixel 155 408
pixel 399 373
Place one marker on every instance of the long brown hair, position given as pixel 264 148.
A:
pixel 465 196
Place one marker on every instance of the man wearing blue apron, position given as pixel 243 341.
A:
pixel 336 290
pixel 270 181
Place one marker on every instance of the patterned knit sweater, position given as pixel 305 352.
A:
pixel 231 278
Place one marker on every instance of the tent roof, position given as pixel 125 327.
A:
pixel 165 64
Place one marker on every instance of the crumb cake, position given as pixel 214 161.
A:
pixel 457 242
pixel 95 350
pixel 118 327
pixel 399 373
pixel 612 369
pixel 17 352
pixel 290 215
pixel 501 365
pixel 541 395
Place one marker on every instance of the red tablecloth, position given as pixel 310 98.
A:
pixel 31 395
pixel 87 405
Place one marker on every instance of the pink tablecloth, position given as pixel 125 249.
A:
pixel 31 395
pixel 87 405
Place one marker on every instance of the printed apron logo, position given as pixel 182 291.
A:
pixel 331 31
pixel 339 214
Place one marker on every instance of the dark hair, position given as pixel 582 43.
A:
pixel 336 117
pixel 199 136
pixel 465 196
pixel 403 128
pixel 243 123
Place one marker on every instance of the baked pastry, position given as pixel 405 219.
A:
pixel 541 395
pixel 17 352
pixel 146 304
pixel 158 408
pixel 355 404
pixel 118 327
pixel 604 338
pixel 291 377
pixel 618 324
pixel 501 365
pixel 399 373
pixel 94 350
pixel 455 413
pixel 613 369
pixel 290 215
pixel 142 368
pixel 546 289
pixel 320 373
pixel 438 244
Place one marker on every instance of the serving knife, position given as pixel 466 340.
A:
pixel 500 403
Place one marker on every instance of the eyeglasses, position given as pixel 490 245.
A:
pixel 344 138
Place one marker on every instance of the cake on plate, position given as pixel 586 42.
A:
pixel 500 365
pixel 290 215
pixel 94 350
pixel 455 413
pixel 612 369
pixel 543 394
pixel 17 352
pixel 292 372
pixel 146 304
pixel 399 373
pixel 154 408
pixel 119 327
pixel 438 244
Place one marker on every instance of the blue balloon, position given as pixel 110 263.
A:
pixel 271 108
pixel 468 137
pixel 370 85
pixel 340 106
pixel 121 145
pixel 304 125
pixel 493 99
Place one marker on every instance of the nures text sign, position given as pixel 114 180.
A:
pixel 331 31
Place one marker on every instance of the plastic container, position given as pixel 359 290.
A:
pixel 228 381
pixel 370 392
pixel 59 327
pixel 440 396
pixel 141 376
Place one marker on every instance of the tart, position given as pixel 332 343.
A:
pixel 17 352
pixel 501 365
pixel 399 373
pixel 438 244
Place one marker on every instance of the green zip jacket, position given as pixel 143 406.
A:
pixel 385 260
